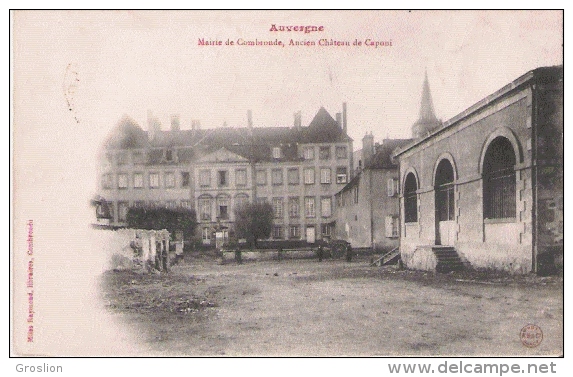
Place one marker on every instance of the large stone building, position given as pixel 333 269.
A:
pixel 485 188
pixel 296 169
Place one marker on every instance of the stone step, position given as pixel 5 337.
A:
pixel 451 265
pixel 447 255
pixel 447 259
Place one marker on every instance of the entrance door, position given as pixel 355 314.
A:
pixel 310 234
pixel 444 189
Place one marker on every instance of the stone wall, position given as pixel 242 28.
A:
pixel 270 254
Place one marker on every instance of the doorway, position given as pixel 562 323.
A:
pixel 310 234
pixel 445 204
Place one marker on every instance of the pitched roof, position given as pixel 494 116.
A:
pixel 255 143
pixel 323 129
pixel 382 159
pixel 127 134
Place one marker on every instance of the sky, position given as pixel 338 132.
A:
pixel 75 74
pixel 132 62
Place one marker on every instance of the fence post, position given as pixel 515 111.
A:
pixel 165 255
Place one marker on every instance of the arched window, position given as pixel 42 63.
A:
pixel 204 205
pixel 499 180
pixel 410 199
pixel 445 191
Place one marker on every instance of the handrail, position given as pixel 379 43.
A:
pixel 384 256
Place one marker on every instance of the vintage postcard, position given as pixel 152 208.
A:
pixel 287 183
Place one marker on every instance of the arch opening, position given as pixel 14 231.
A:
pixel 410 199
pixel 499 187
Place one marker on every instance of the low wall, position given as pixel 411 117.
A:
pixel 271 254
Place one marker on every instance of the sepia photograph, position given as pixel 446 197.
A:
pixel 287 184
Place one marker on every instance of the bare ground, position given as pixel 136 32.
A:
pixel 306 308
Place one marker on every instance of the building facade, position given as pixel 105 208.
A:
pixel 297 169
pixel 368 208
pixel 488 183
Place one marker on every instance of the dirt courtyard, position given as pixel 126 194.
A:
pixel 333 308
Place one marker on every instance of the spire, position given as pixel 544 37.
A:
pixel 427 120
pixel 426 105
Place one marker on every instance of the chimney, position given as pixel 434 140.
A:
pixel 297 120
pixel 339 119
pixel 344 124
pixel 376 147
pixel 153 126
pixel 175 123
pixel 250 118
pixel 367 148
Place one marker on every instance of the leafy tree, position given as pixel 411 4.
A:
pixel 253 221
pixel 157 218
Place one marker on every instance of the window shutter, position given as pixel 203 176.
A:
pixel 390 187
pixel 395 224
pixel 389 226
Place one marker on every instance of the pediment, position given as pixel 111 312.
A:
pixel 223 155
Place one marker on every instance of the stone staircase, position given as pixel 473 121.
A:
pixel 390 257
pixel 448 259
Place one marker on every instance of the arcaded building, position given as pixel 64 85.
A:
pixel 485 188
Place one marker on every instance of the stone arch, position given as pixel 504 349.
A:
pixel 507 133
pixel 415 173
pixel 409 189
pixel 444 156
pixel 499 184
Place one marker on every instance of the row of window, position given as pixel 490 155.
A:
pixel 123 206
pixel 170 155
pixel 293 207
pixel 222 206
pixel 169 178
pixel 138 157
pixel 222 177
pixel 499 186
pixel 138 180
pixel 309 176
pixel 324 152
pixel 277 176
pixel 278 231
